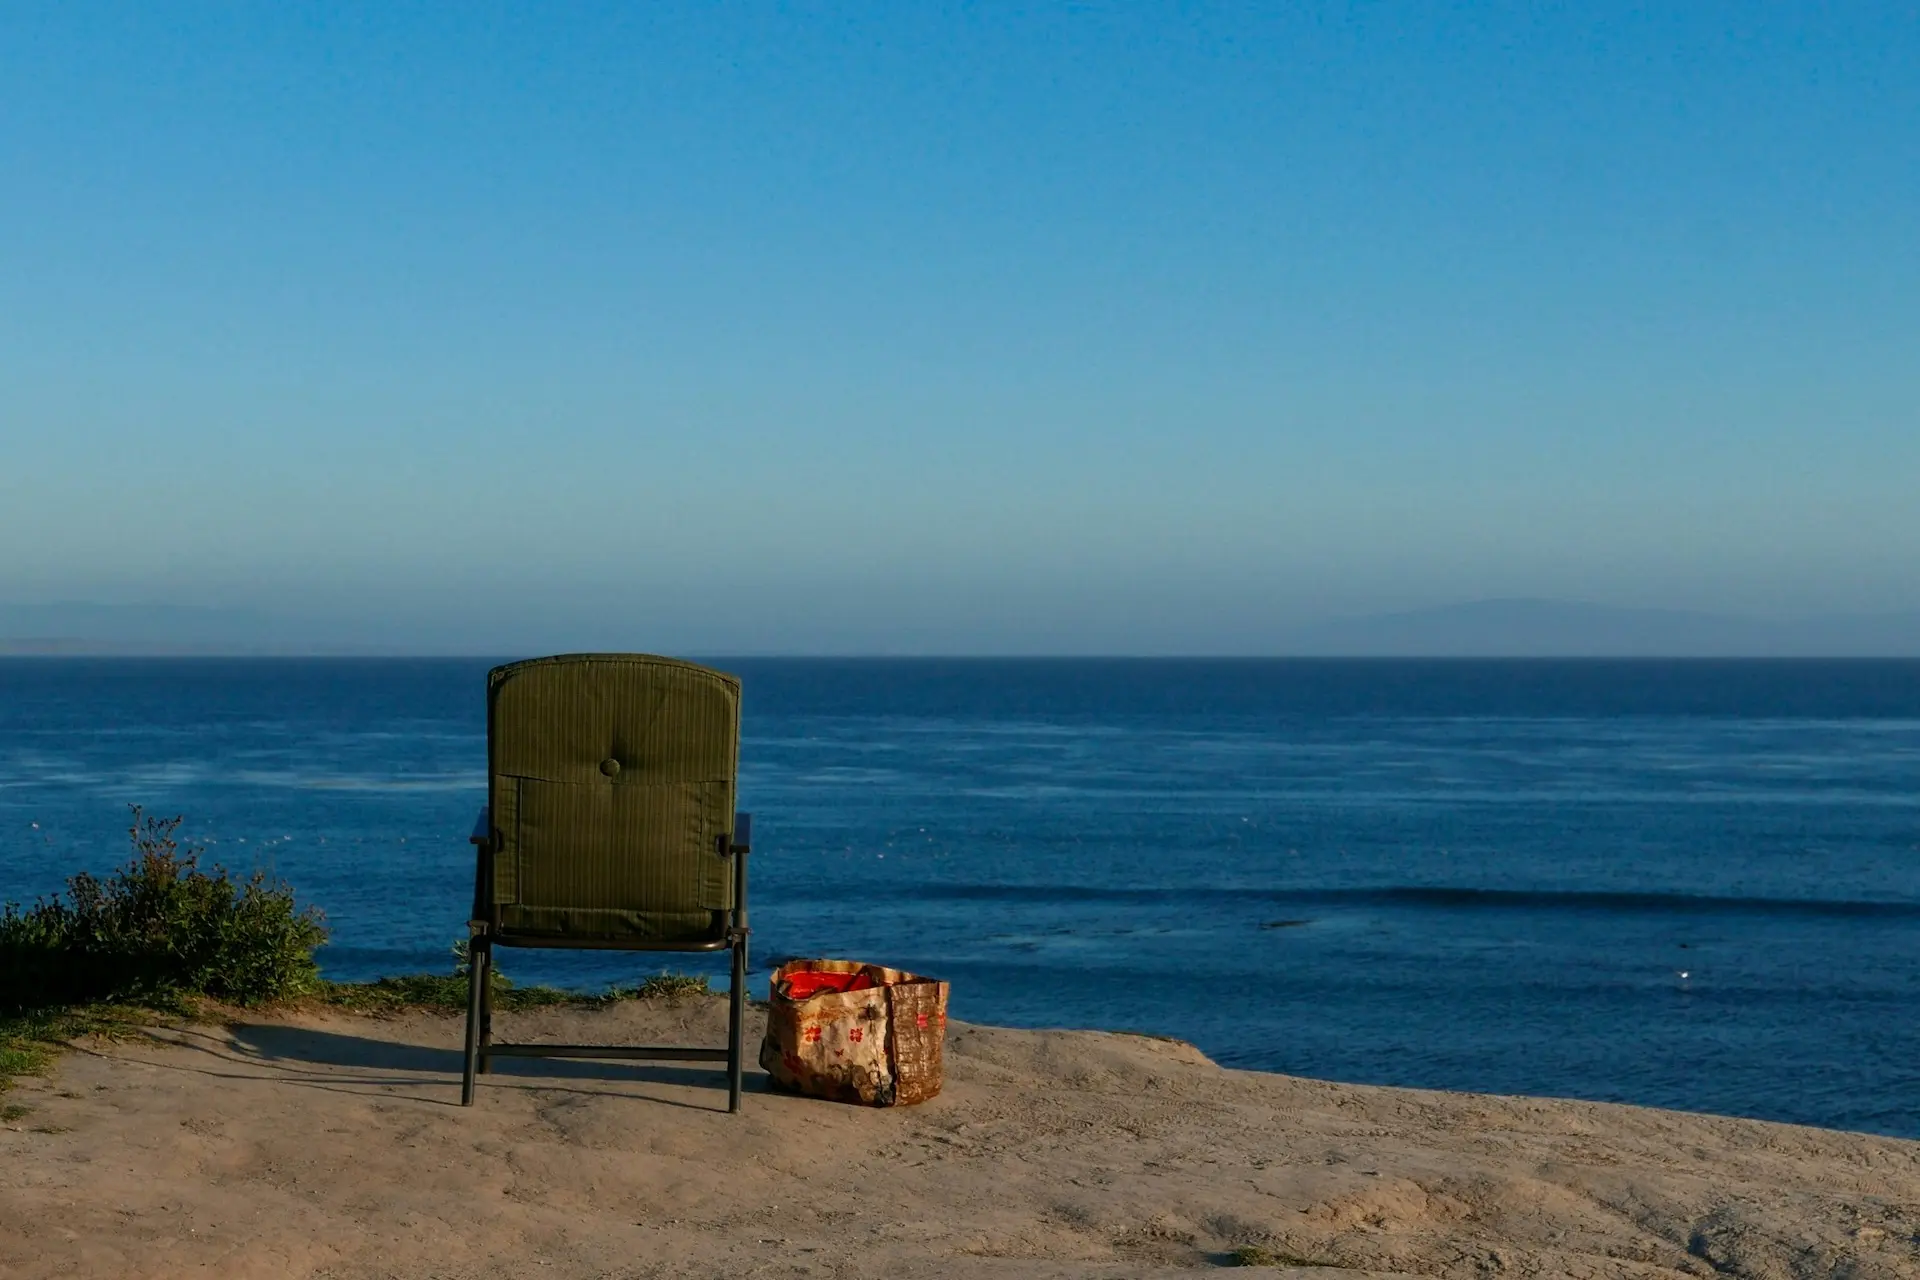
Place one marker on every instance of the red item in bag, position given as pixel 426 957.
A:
pixel 808 983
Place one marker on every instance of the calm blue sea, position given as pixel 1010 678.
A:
pixel 1689 885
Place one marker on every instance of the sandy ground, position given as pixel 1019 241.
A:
pixel 332 1146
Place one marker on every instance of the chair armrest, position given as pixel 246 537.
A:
pixel 482 840
pixel 742 840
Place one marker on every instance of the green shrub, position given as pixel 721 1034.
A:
pixel 158 929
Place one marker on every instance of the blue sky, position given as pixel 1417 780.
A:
pixel 1127 328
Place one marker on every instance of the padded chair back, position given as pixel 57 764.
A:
pixel 611 786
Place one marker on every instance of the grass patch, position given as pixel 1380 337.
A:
pixel 671 987
pixel 447 993
pixel 441 992
pixel 1256 1255
pixel 30 1041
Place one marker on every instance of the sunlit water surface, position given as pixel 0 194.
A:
pixel 1689 885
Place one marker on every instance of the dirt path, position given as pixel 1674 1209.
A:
pixel 331 1146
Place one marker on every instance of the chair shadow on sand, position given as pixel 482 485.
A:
pixel 282 1046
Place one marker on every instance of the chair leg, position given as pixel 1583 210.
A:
pixel 736 1011
pixel 476 984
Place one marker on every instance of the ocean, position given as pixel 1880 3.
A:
pixel 1680 884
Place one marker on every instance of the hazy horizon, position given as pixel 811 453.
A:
pixel 958 329
pixel 1473 629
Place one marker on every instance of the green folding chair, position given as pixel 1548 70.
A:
pixel 609 826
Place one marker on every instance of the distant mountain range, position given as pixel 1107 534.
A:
pixel 158 629
pixel 1569 629
pixel 1482 628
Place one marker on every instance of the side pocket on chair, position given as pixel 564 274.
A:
pixel 716 808
pixel 672 829
pixel 506 853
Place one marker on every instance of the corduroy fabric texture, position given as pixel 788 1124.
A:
pixel 612 780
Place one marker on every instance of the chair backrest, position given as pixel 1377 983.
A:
pixel 611 785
